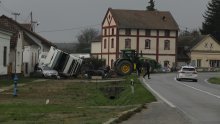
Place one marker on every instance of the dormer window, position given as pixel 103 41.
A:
pixel 127 31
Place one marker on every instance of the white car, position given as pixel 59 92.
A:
pixel 187 73
pixel 48 72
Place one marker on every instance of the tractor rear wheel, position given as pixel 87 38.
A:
pixel 124 67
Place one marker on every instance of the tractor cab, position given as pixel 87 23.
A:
pixel 128 54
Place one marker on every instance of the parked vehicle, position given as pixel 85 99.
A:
pixel 47 72
pixel 187 73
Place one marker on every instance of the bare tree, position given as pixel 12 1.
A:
pixel 84 38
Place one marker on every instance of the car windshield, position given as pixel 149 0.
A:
pixel 188 69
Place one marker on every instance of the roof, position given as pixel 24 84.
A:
pixel 190 41
pixel 143 19
pixel 11 25
pixel 193 41
pixel 27 26
pixel 97 39
pixel 4 28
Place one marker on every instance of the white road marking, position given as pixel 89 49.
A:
pixel 197 89
pixel 156 93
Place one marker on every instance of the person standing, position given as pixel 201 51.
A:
pixel 138 68
pixel 146 66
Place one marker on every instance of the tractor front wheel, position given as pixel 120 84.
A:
pixel 124 67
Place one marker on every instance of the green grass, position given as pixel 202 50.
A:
pixel 10 81
pixel 214 80
pixel 70 102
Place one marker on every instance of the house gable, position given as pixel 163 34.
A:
pixel 108 20
pixel 208 43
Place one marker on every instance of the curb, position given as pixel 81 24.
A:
pixel 125 115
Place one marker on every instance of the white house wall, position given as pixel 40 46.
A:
pixel 205 57
pixel 4 42
pixel 19 52
pixel 170 59
pixel 205 52
pixel 152 33
pixel 96 47
pixel 30 57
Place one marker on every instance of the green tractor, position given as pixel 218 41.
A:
pixel 126 64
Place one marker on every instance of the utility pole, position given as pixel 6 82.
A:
pixel 15 14
pixel 33 22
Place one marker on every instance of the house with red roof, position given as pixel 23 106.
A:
pixel 152 33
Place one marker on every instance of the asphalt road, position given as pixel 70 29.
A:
pixel 197 101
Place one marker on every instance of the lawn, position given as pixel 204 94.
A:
pixel 71 102
pixel 214 80
pixel 10 81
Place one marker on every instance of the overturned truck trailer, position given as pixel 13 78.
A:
pixel 64 63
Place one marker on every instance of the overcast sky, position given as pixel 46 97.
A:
pixel 62 20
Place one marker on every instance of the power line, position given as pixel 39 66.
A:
pixel 68 29
pixel 5 8
pixel 16 14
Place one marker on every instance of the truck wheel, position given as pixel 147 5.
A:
pixel 124 68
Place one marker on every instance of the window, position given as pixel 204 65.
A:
pixel 113 31
pixel 127 43
pixel 105 32
pixel 112 43
pixel 147 44
pixel 199 62
pixel 147 32
pixel 166 64
pixel 167 33
pixel 214 63
pixel 127 31
pixel 105 44
pixel 166 45
pixel 5 56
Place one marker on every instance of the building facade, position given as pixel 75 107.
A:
pixel 5 36
pixel 206 53
pixel 202 53
pixel 152 33
pixel 25 47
